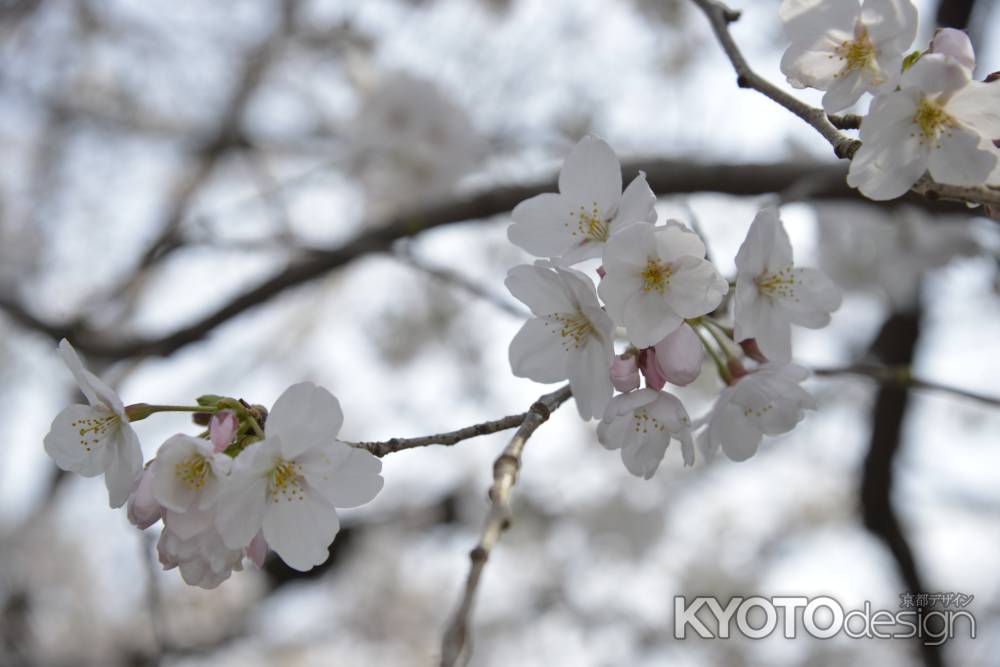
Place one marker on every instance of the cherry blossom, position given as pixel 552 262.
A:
pixel 656 277
pixel 641 424
pixel 570 337
pixel 189 473
pixel 939 121
pixel 97 438
pixel 772 294
pixel 846 48
pixel 191 542
pixel 590 207
pixel 289 484
pixel 768 401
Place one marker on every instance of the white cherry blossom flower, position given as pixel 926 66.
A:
pixel 191 542
pixel 189 473
pixel 768 401
pixel 570 337
pixel 772 294
pixel 575 224
pixel 939 121
pixel 641 424
pixel 846 48
pixel 656 277
pixel 96 439
pixel 289 483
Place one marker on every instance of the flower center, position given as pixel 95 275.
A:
pixel 857 53
pixel 930 119
pixel 780 284
pixel 285 480
pixel 574 328
pixel 656 276
pixel 93 429
pixel 642 422
pixel 193 471
pixel 590 225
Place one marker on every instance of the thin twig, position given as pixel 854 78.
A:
pixel 404 252
pixel 720 16
pixel 456 644
pixel 392 445
pixel 902 377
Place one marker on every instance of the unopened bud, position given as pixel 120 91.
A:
pixel 751 350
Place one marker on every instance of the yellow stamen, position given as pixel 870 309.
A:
pixel 285 480
pixel 93 429
pixel 780 284
pixel 590 225
pixel 193 471
pixel 575 329
pixel 656 276
pixel 931 119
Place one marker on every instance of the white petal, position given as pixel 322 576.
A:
pixel 766 246
pixel 169 486
pixel 538 353
pixel 892 24
pixel 539 289
pixel 239 512
pixel 812 64
pixel 958 160
pixel 738 435
pixel 543 225
pixel 886 166
pixel 301 531
pixel 628 250
pixel 616 290
pixel 680 356
pixel 695 288
pixel 673 242
pixel 638 204
pixel 935 73
pixel 649 318
pixel 304 416
pixel 644 457
pixel 124 467
pixel 805 19
pixel 978 106
pixel 80 374
pixel 347 477
pixel 815 298
pixel 579 287
pixel 592 175
pixel 845 90
pixel 87 453
pixel 590 378
pixel 773 333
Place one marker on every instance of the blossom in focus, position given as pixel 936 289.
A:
pixel 190 541
pixel 288 485
pixel 768 401
pixel 955 44
pixel 846 48
pixel 939 121
pixel 772 294
pixel 570 337
pixel 656 278
pixel 189 473
pixel 641 424
pixel 97 438
pixel 590 207
pixel 679 356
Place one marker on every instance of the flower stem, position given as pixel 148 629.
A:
pixel 719 365
pixel 138 411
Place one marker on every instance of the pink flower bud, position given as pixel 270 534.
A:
pixel 651 370
pixel 601 272
pixel 143 510
pixel 679 356
pixel 751 349
pixel 257 550
pixel 625 372
pixel 222 429
pixel 955 44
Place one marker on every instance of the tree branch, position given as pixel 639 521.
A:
pixel 900 377
pixel 456 643
pixel 666 177
pixel 393 445
pixel 720 16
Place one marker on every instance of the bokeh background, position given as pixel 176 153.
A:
pixel 163 159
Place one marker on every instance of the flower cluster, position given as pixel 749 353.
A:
pixel 927 114
pixel 657 288
pixel 253 480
